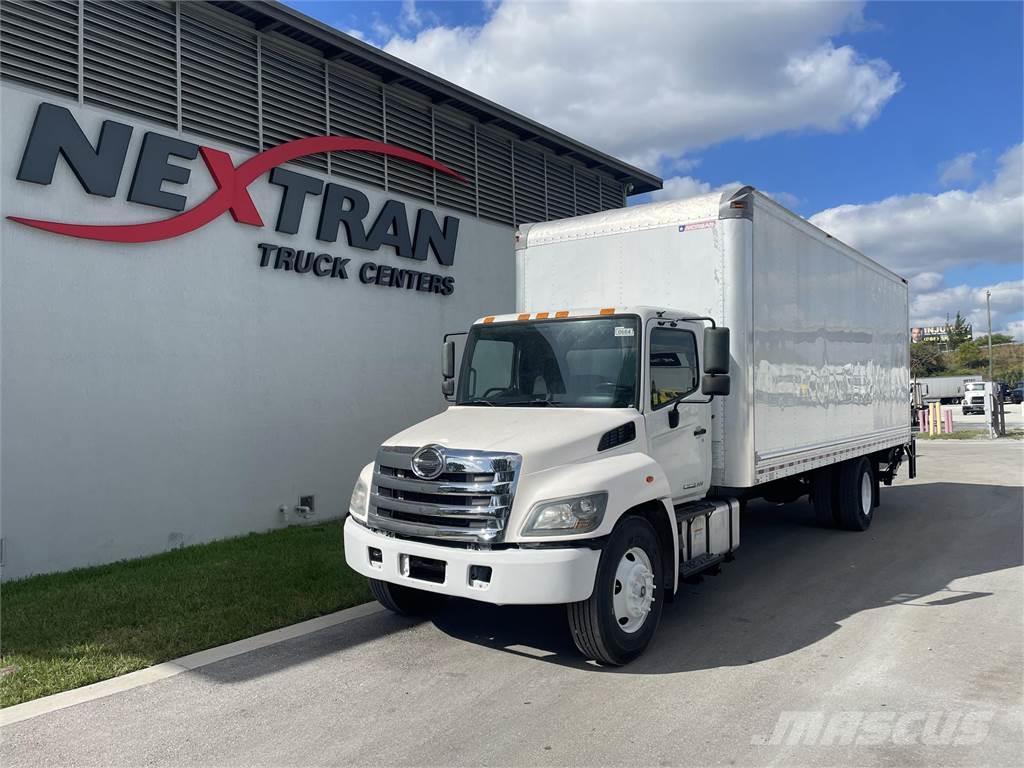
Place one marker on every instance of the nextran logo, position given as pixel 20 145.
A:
pixel 56 133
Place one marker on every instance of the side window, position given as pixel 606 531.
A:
pixel 492 366
pixel 673 365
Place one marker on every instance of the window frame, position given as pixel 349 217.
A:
pixel 650 375
pixel 638 399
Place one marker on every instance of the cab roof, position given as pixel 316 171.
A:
pixel 644 312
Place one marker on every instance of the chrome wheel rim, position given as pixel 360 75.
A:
pixel 633 590
pixel 865 494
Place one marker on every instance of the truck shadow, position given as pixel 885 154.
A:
pixel 792 583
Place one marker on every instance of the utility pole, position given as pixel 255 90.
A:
pixel 988 306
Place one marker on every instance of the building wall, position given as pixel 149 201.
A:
pixel 162 394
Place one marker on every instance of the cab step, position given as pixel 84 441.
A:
pixel 709 532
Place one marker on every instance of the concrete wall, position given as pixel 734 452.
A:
pixel 163 394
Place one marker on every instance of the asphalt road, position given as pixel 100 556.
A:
pixel 901 646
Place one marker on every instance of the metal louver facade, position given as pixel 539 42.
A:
pixel 39 45
pixel 211 69
pixel 219 78
pixel 130 59
pixel 409 124
pixel 294 98
pixel 357 109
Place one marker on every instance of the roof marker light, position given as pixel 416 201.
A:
pixel 608 311
pixel 525 316
pixel 489 319
pixel 562 313
pixel 542 315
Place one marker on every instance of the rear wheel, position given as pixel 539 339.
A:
pixel 404 601
pixel 616 623
pixel 856 494
pixel 823 497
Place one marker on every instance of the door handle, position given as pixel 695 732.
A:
pixel 699 431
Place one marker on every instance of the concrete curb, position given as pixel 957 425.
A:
pixel 126 682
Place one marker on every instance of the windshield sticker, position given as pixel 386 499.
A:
pixel 622 330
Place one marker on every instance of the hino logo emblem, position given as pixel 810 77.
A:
pixel 429 462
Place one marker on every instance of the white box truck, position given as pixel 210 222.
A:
pixel 667 362
pixel 944 389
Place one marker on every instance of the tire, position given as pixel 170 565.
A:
pixel 405 601
pixel 823 497
pixel 856 494
pixel 616 623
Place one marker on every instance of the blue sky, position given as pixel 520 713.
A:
pixel 896 126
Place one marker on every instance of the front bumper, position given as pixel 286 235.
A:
pixel 518 576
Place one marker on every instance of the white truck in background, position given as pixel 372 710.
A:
pixel 948 390
pixel 666 363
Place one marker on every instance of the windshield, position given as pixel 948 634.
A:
pixel 587 363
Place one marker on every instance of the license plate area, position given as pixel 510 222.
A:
pixel 422 568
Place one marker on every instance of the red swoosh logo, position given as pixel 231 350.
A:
pixel 231 193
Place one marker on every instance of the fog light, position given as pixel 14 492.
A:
pixel 479 576
pixel 376 558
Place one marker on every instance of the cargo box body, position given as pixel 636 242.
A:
pixel 819 351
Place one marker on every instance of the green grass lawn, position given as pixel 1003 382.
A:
pixel 65 630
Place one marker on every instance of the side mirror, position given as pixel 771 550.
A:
pixel 448 368
pixel 713 385
pixel 448 360
pixel 716 351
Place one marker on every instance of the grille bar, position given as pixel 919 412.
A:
pixel 470 501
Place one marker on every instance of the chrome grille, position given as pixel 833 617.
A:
pixel 470 501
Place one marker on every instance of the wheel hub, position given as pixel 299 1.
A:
pixel 633 590
pixel 865 494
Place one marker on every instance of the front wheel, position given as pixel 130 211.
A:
pixel 405 601
pixel 616 623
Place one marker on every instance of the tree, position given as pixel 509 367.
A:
pixel 969 355
pixel 958 333
pixel 925 359
pixel 997 338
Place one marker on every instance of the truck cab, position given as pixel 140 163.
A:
pixel 563 423
pixel 975 395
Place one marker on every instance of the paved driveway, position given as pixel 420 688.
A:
pixel 901 646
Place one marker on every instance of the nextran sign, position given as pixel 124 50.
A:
pixel 55 133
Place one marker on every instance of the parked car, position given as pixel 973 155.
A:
pixel 1016 396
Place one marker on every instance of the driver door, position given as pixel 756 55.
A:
pixel 673 371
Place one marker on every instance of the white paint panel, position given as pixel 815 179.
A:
pixel 830 354
pixel 170 393
pixel 819 332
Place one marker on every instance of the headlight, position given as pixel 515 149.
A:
pixel 361 494
pixel 577 514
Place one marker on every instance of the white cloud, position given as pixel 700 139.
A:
pixel 679 187
pixel 1014 328
pixel 919 233
pixel 921 236
pixel 926 281
pixel 932 308
pixel 959 169
pixel 648 81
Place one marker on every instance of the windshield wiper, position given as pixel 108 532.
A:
pixel 477 401
pixel 552 403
